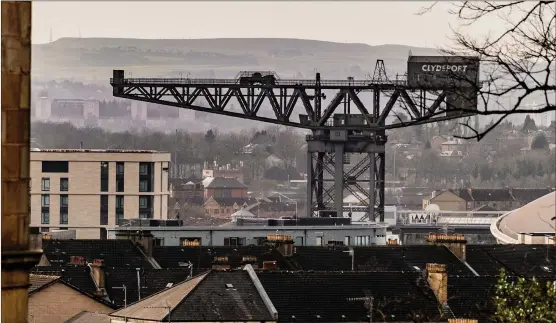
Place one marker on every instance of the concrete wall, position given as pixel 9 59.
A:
pixel 309 235
pixel 58 303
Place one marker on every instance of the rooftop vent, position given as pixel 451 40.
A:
pixel 545 268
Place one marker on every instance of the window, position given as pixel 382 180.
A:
pixel 143 201
pixel 103 209
pixel 104 176
pixel 45 184
pixel 146 177
pixel 120 168
pixel 45 200
pixel 347 241
pixel 64 201
pixel 103 234
pixel 145 207
pixel 143 186
pixel 44 230
pixel 63 217
pixel 45 217
pixel 234 242
pixel 64 184
pixel 144 168
pixel 119 202
pixel 119 209
pixel 120 176
pixel 119 218
pixel 51 166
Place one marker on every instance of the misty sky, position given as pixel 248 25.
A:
pixel 373 23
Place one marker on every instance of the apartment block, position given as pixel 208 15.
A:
pixel 90 190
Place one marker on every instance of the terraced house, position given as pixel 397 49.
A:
pixel 89 190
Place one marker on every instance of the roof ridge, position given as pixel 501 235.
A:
pixel 185 296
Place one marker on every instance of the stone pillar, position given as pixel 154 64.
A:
pixel 17 258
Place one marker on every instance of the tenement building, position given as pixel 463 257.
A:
pixel 90 190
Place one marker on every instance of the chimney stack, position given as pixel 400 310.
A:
pixel 284 243
pixel 437 277
pixel 463 321
pixel 97 272
pixel 455 242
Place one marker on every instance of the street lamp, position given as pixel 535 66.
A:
pixel 125 294
pixel 351 252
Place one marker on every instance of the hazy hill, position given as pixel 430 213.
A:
pixel 93 59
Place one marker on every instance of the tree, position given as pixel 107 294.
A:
pixel 524 300
pixel 539 142
pixel 529 125
pixel 517 63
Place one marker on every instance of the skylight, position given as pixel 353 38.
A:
pixel 229 286
pixel 169 285
pixel 416 268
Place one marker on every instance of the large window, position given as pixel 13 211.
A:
pixel 45 217
pixel 104 176
pixel 64 184
pixel 145 207
pixel 120 177
pixel 146 177
pixel 103 209
pixel 45 200
pixel 64 201
pixel 45 184
pixel 51 166
pixel 119 209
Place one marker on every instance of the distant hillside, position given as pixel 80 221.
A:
pixel 93 59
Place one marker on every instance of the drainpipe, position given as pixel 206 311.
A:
pixel 17 258
pixel 138 283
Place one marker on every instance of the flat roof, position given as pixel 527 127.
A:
pixel 253 228
pixel 125 151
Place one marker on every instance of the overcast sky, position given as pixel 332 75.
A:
pixel 373 23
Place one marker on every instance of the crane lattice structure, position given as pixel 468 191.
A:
pixel 359 129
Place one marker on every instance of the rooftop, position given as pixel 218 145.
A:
pixel 225 182
pixel 216 296
pixel 323 296
pixel 112 151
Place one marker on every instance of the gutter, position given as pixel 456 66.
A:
pixel 270 307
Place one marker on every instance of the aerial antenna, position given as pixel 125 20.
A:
pixel 410 54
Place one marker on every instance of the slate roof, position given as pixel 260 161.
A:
pixel 379 258
pixel 471 297
pixel 527 195
pixel 152 280
pixel 115 253
pixel 213 301
pixel 225 182
pixel 522 260
pixel 323 296
pixel 524 195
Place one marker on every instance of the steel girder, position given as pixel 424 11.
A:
pixel 283 97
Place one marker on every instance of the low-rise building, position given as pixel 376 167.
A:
pixel 90 190
pixel 468 199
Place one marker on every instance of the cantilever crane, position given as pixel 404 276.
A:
pixel 358 130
